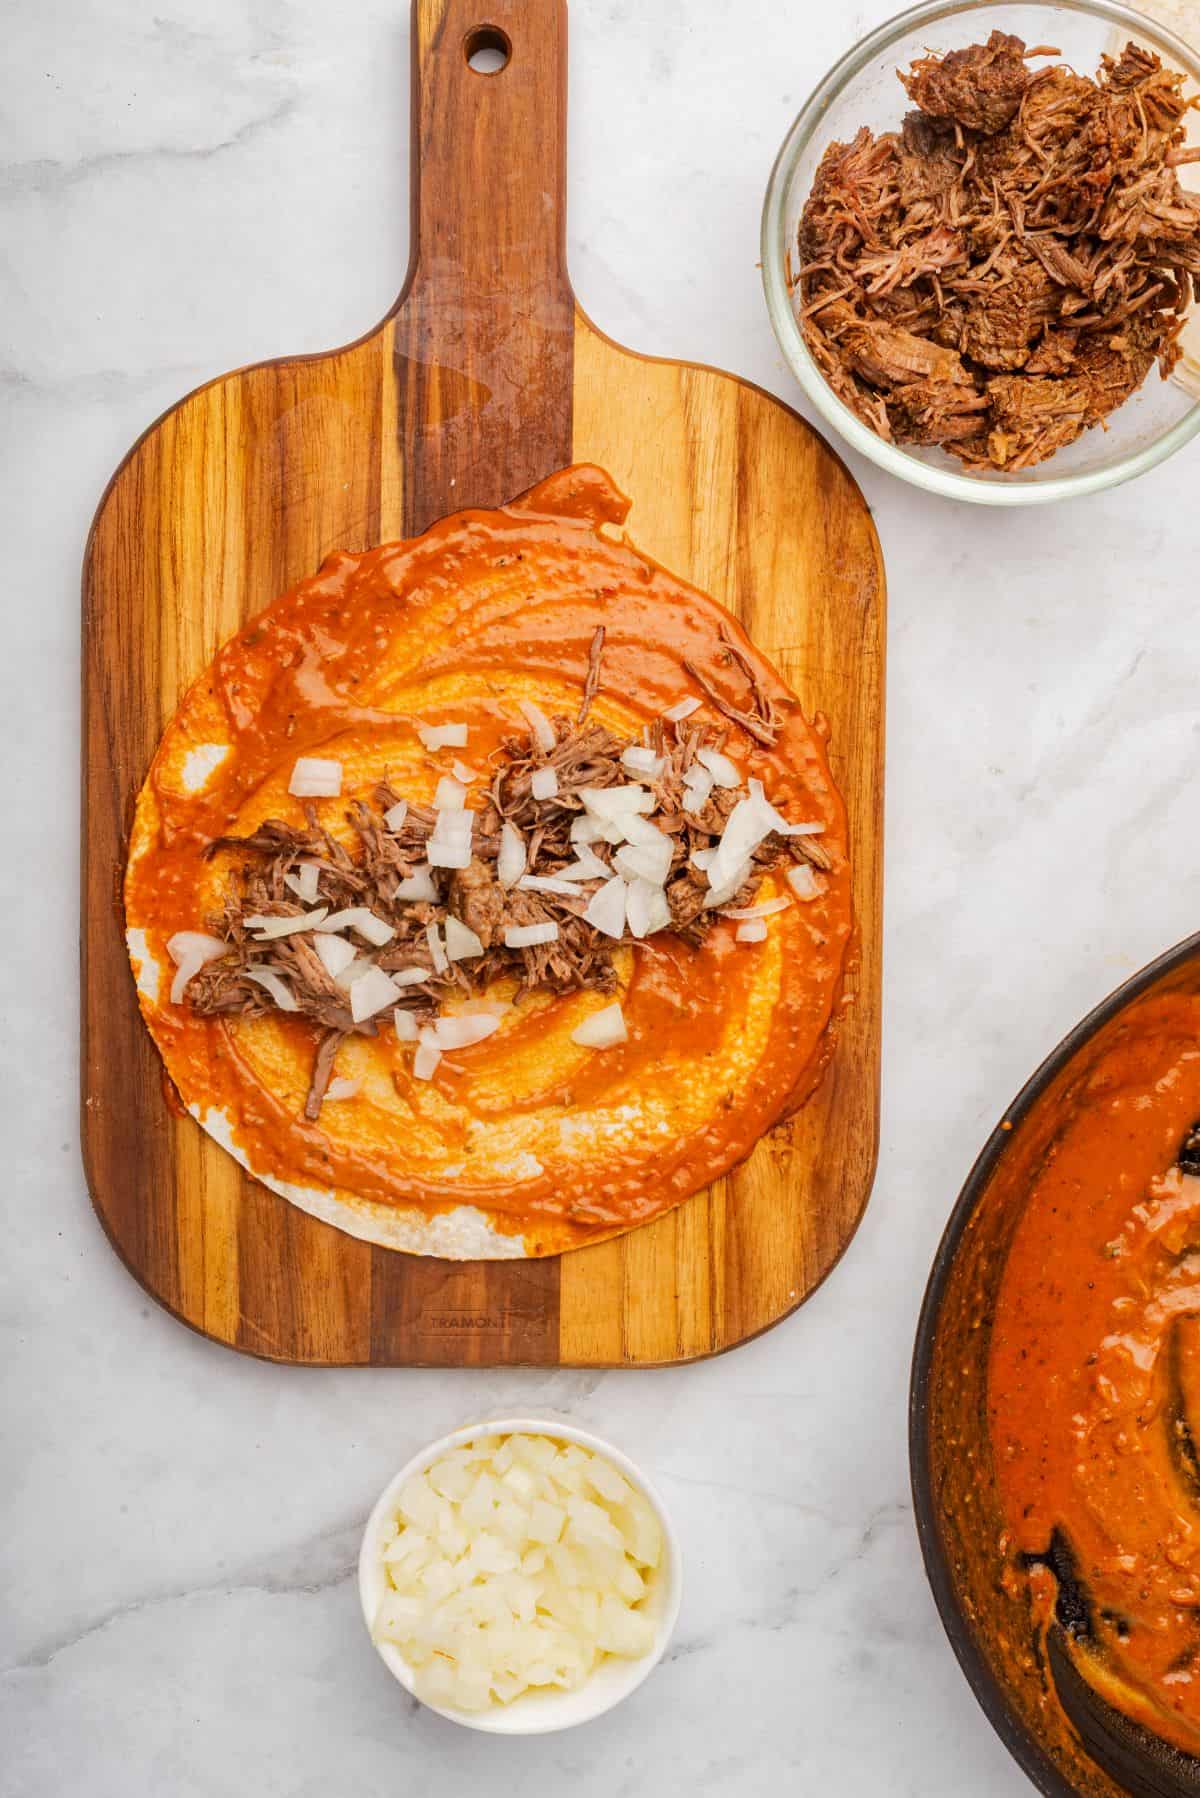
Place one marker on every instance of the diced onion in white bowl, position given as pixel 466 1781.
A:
pixel 602 1029
pixel 315 777
pixel 516 1563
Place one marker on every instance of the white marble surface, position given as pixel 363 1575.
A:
pixel 179 1523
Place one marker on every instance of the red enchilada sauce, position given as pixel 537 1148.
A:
pixel 1094 1377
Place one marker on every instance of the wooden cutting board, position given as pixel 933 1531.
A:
pixel 483 378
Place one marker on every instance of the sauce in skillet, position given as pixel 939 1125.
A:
pixel 1094 1379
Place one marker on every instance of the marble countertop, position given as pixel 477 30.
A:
pixel 180 1524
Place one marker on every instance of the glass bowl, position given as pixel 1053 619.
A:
pixel 862 89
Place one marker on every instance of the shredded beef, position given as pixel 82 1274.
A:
pixel 584 756
pixel 1024 229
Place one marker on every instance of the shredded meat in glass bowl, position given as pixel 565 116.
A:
pixel 981 247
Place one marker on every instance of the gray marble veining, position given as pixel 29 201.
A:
pixel 181 1524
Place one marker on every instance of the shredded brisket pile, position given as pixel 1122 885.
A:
pixel 585 755
pixel 1004 270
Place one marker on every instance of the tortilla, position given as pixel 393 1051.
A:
pixel 526 1143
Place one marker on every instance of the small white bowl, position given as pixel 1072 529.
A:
pixel 536 1712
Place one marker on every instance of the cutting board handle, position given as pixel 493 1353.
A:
pixel 484 331
pixel 489 148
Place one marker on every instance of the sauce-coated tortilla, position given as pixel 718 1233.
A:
pixel 525 1143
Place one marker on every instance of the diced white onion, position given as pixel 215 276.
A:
pixel 510 863
pixel 446 854
pixel 543 783
pixel 647 908
pixel 747 825
pixel 353 971
pixel 313 777
pixel 406 1025
pixel 766 909
pixel 396 814
pixel 410 976
pixel 443 736
pixel 606 908
pixel 643 761
pixel 515 1562
pixel 368 924
pixel 702 859
pixel 753 932
pixel 602 1029
pixel 419 886
pixel 529 936
pixel 803 881
pixel 189 950
pixel 461 772
pixel 341 1089
pixel 371 992
pixel 427 1056
pixel 549 883
pixel 539 724
pixel 305 882
pixel 720 767
pixel 586 866
pixel 433 937
pixel 674 714
pixel 335 953
pixel 779 823
pixel 698 784
pixel 278 989
pixel 645 861
pixel 267 927
pixel 723 894
pixel 611 804
pixel 585 830
pixel 450 795
pixel 461 942
pixel 463 1032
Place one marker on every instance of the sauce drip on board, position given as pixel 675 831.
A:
pixel 553 1142
pixel 1094 1376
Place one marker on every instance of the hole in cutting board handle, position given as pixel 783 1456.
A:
pixel 487 49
